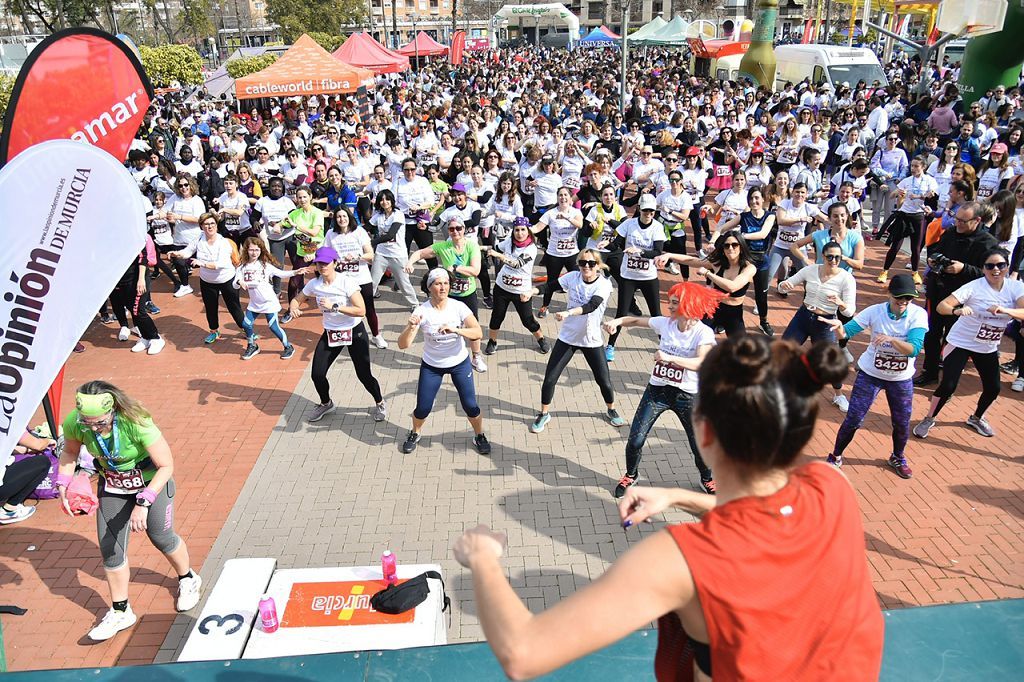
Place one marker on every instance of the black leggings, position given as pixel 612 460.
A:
pixel 182 266
pixel 762 280
pixel 422 238
pixel 124 297
pixel 210 292
pixel 22 478
pixel 917 220
pixel 560 356
pixel 324 356
pixel 371 313
pixel 554 266
pixel 291 247
pixel 699 226
pixel 650 288
pixel 678 245
pixel 165 267
pixel 502 299
pixel 730 318
pixel 953 366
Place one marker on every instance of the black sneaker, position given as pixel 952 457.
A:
pixel 488 302
pixel 634 310
pixel 1009 367
pixel 251 351
pixel 411 441
pixel 767 328
pixel 482 445
pixel 106 318
pixel 926 379
pixel 491 346
pixel 542 345
pixel 625 482
pixel 288 351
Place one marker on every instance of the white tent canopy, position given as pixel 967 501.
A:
pixel 650 28
pixel 672 33
pixel 547 15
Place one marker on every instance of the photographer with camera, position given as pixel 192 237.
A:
pixel 954 260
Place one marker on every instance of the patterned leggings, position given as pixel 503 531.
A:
pixel 899 395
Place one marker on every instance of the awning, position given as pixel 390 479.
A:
pixel 305 69
pixel 362 50
pixel 423 46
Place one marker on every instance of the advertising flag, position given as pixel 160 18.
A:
pixel 457 48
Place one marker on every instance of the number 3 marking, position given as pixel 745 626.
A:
pixel 220 621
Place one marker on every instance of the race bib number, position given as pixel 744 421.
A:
pixel 123 482
pixel 232 222
pixel 722 171
pixel 350 267
pixel 787 155
pixel 669 373
pixel 339 337
pixel 512 281
pixel 989 333
pixel 160 227
pixel 638 263
pixel 459 285
pixel 571 181
pixel 248 278
pixel 566 245
pixel 789 237
pixel 984 192
pixel 891 363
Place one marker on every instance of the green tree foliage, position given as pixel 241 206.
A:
pixel 53 15
pixel 327 41
pixel 172 63
pixel 296 17
pixel 6 86
pixel 243 66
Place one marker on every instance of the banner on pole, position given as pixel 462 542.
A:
pixel 457 48
pixel 80 220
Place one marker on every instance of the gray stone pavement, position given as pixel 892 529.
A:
pixel 339 492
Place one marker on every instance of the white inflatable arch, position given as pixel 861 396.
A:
pixel 547 15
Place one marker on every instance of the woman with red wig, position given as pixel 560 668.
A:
pixel 683 343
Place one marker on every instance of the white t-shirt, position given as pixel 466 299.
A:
pixel 443 350
pixel 463 215
pixel 790 234
pixel 186 233
pixel 942 180
pixel 988 183
pixel 517 280
pixel 256 278
pixel 545 192
pixel 635 266
pixel 274 211
pixel 233 223
pixel 682 344
pixel 584 331
pixel 350 244
pixel 732 203
pixel 916 189
pixel 327 296
pixel 884 361
pixel 218 253
pixel 982 331
pixel 160 228
pixel 392 249
pixel 562 241
pixel 682 204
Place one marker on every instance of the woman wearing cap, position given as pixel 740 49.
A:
pixel 214 255
pixel 136 493
pixel 341 304
pixel 682 344
pixel 695 178
pixel 389 250
pixel 446 325
pixel 587 294
pixel 513 284
pixel 562 223
pixel 757 172
pixel 641 240
pixel 355 253
pixel 995 172
pixel 459 256
pixel 897 333
pixel 984 307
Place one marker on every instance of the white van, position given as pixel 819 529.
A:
pixel 832 64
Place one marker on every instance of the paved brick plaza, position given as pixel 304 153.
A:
pixel 256 480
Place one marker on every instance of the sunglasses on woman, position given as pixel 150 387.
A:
pixel 587 263
pixel 836 257
pixel 997 266
pixel 731 245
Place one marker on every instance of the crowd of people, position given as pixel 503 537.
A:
pixel 517 179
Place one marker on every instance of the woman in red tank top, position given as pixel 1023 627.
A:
pixel 771 584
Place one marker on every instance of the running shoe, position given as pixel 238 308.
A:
pixel 1009 367
pixel 19 513
pixel 923 427
pixel 540 422
pixel 288 352
pixel 842 403
pixel 189 590
pixel 106 318
pixel 615 419
pixel 634 310
pixel 625 482
pixel 782 294
pixel 1017 385
pixel 609 353
pixel 482 445
pixel 156 345
pixel 917 278
pixel 709 486
pixel 488 302
pixel 380 412
pixel 847 355
pixel 981 425
pixel 672 269
pixel 478 363
pixel 491 346
pixel 183 290
pixel 124 334
pixel 321 411
pixel 211 337
pixel 835 460
pixel 151 308
pixel 926 379
pixel 900 466
pixel 113 622
pixel 379 341
pixel 883 277
pixel 542 313
pixel 287 318
pixel 767 328
pixel 411 441
pixel 251 351
pixel 542 345
pixel 140 345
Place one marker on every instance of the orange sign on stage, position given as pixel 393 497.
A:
pixel 337 603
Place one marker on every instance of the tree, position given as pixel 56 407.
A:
pixel 6 87
pixel 243 66
pixel 54 15
pixel 326 40
pixel 296 17
pixel 169 64
pixel 195 19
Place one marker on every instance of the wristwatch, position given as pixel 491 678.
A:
pixel 142 501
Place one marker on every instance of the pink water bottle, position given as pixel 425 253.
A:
pixel 388 567
pixel 268 614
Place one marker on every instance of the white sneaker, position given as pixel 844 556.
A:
pixel 1017 385
pixel 112 623
pixel 755 310
pixel 478 363
pixel 124 334
pixel 156 345
pixel 379 341
pixel 183 290
pixel 188 592
pixel 19 513
pixel 672 269
pixel 842 403
pixel 140 345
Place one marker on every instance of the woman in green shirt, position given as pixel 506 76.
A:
pixel 136 492
pixel 308 221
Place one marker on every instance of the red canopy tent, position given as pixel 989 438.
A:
pixel 423 46
pixel 361 49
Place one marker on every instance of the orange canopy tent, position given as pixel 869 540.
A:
pixel 361 49
pixel 305 69
pixel 423 46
